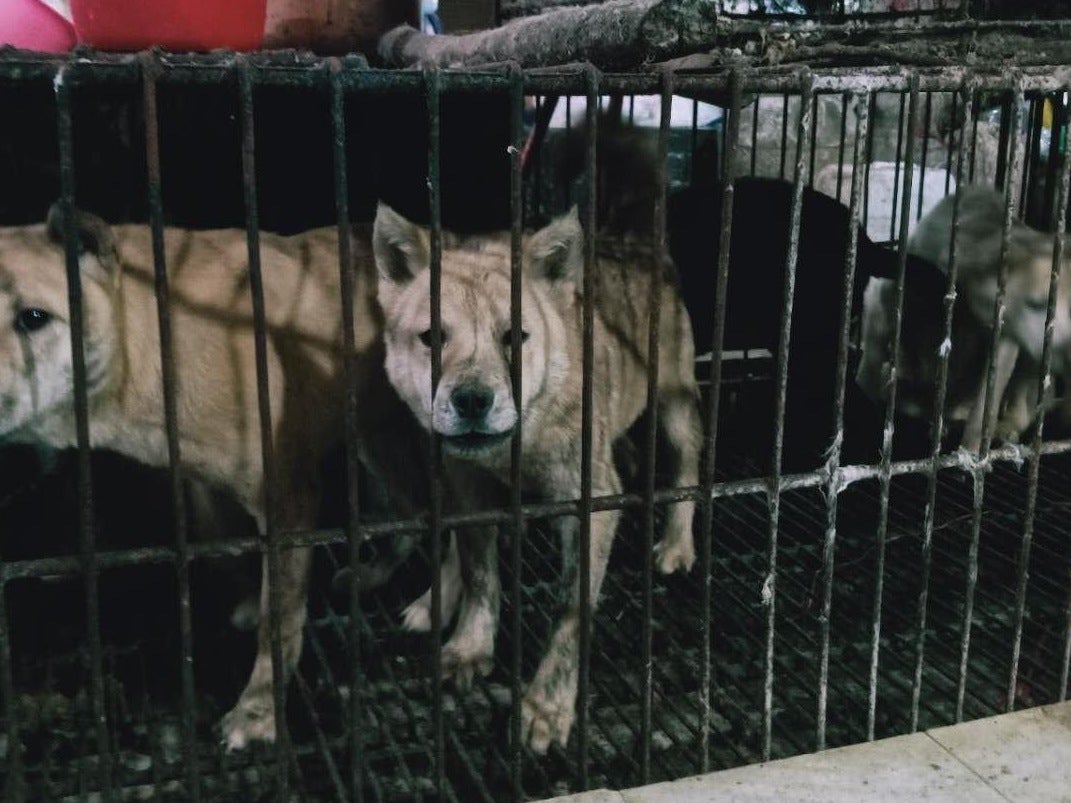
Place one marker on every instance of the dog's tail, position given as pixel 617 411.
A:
pixel 627 175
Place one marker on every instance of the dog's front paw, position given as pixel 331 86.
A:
pixel 251 720
pixel 416 618
pixel 464 659
pixel 547 715
pixel 673 554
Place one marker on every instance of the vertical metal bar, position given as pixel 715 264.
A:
pixel 1033 149
pixel 695 141
pixel 890 409
pixel 784 135
pixel 938 417
pixel 769 590
pixel 1059 123
pixel 149 71
pixel 516 279
pixel 814 142
pixel 267 443
pixel 591 76
pixel 354 536
pixel 952 140
pixel 654 323
pixel 15 769
pixel 896 169
pixel 833 459
pixel 706 508
pixel 1044 384
pixel 432 81
pixel 925 152
pixel 87 545
pixel 1012 179
pixel 842 142
pixel 1003 143
pixel 974 140
pixel 754 134
pixel 872 111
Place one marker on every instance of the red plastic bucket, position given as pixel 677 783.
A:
pixel 32 25
pixel 179 25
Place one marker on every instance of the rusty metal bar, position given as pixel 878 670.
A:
pixel 842 142
pixel 833 454
pixel 592 81
pixel 432 92
pixel 784 137
pixel 925 152
pixel 39 567
pixel 775 487
pixel 354 538
pixel 991 403
pixel 938 417
pixel 267 443
pixel 150 69
pixel 568 79
pixel 706 505
pixel 87 541
pixel 896 167
pixel 516 756
pixel 1044 387
pixel 890 408
pixel 654 323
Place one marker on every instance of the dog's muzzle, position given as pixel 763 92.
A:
pixel 472 404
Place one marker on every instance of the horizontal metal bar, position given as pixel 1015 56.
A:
pixel 286 68
pixel 58 566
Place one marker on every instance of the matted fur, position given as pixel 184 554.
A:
pixel 475 304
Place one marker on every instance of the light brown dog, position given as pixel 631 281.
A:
pixel 474 410
pixel 218 420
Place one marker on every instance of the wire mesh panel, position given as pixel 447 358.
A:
pixel 871 265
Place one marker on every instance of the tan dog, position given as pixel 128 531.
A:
pixel 475 413
pixel 1018 360
pixel 218 416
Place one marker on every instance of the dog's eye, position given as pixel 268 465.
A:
pixel 32 319
pixel 1038 304
pixel 507 337
pixel 425 338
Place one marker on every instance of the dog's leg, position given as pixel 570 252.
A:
pixel 470 649
pixel 253 718
pixel 549 705
pixel 417 616
pixel 1007 354
pixel 678 414
pixel 1020 403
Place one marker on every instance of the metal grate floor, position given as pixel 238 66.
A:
pixel 397 697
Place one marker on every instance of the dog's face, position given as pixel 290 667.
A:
pixel 1029 290
pixel 36 366
pixel 1027 298
pixel 473 407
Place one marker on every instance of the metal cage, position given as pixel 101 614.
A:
pixel 828 606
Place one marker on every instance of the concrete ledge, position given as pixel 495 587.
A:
pixel 1024 756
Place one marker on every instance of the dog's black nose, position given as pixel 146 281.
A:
pixel 472 402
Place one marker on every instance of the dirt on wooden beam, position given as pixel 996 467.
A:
pixel 615 34
pixel 633 34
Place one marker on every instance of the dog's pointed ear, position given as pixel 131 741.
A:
pixel 400 246
pixel 555 252
pixel 94 235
